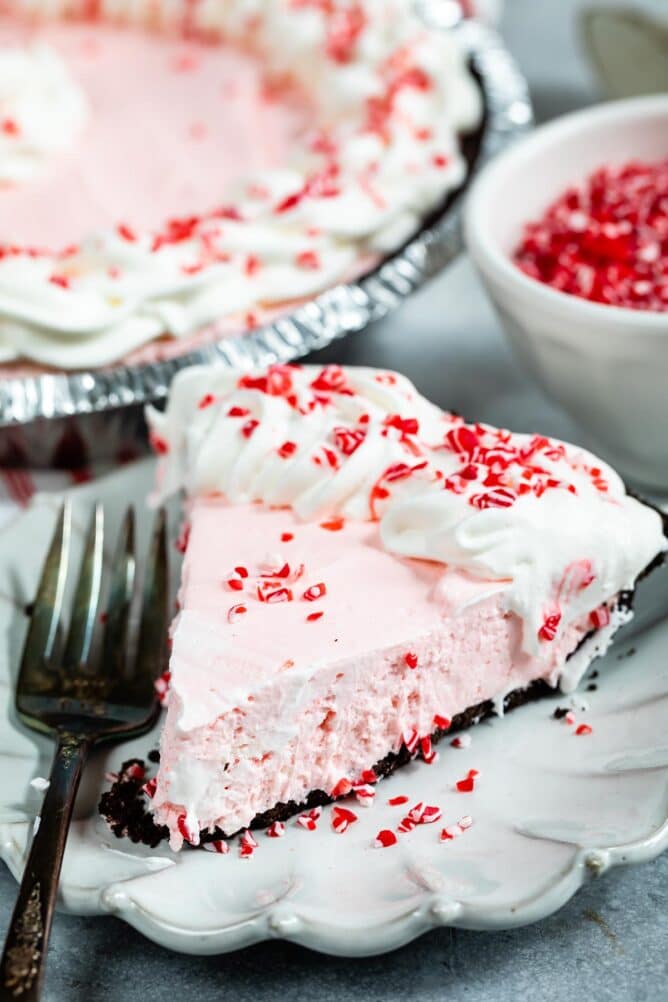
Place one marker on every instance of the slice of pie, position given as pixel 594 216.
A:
pixel 363 573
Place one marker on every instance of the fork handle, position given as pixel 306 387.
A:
pixel 24 957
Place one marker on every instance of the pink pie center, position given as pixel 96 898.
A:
pixel 171 125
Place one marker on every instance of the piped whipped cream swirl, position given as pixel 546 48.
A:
pixel 547 522
pixel 42 111
pixel 390 99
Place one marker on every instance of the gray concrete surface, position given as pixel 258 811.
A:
pixel 609 942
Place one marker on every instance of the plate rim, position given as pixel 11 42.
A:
pixel 283 919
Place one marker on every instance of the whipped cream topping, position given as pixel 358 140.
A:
pixel 547 523
pixel 42 111
pixel 390 98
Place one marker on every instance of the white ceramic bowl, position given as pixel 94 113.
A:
pixel 606 365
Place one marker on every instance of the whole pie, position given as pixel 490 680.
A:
pixel 363 574
pixel 170 165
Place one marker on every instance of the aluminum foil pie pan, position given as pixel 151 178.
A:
pixel 70 419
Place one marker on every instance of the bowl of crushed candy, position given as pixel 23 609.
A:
pixel 569 232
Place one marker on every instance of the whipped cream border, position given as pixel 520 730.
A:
pixel 547 521
pixel 117 291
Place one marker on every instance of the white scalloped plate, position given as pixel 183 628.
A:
pixel 549 811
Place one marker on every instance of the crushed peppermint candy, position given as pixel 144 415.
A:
pixel 605 240
pixel 134 770
pixel 287 449
pixel 333 524
pixel 406 824
pixel 183 538
pixel 411 739
pixel 462 741
pixel 397 801
pixel 274 595
pixel 492 467
pixel 384 839
pixel 247 845
pixel 342 788
pixel 467 785
pixel 424 814
pixel 364 793
pixel 149 787
pixel 342 819
pixel 188 829
pixel 454 831
pixel 429 754
pixel 600 617
pixel 548 630
pixel 275 830
pixel 10 127
pixel 219 846
pixel 309 819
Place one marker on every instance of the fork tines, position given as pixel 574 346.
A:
pixel 98 643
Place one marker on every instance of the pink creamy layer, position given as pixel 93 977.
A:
pixel 270 706
pixel 171 125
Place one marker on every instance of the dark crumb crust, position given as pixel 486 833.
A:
pixel 126 808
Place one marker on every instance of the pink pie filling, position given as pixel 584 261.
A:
pixel 171 125
pixel 269 702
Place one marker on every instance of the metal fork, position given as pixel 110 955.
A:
pixel 82 691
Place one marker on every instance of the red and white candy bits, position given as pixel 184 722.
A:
pixel 411 739
pixel 429 755
pixel 150 787
pixel 467 785
pixel 420 814
pixel 364 793
pixel 454 831
pixel 275 830
pixel 342 819
pixel 309 819
pixel 342 788
pixel 188 829
pixel 384 839
pixel 607 240
pixel 161 685
pixel 218 846
pixel 247 845
pixel 397 801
